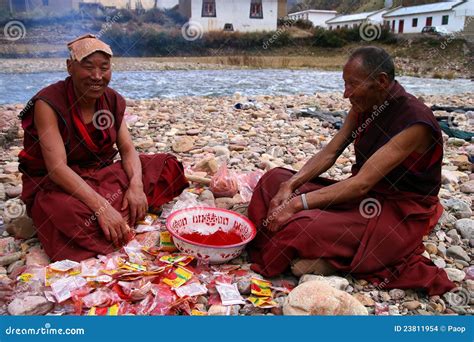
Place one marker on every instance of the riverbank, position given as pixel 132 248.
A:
pixel 328 62
pixel 266 135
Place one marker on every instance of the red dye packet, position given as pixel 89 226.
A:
pixel 178 277
pixel 261 287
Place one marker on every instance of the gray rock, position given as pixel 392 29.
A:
pixel 396 294
pixel 221 151
pixel 393 310
pixel 467 187
pixel 446 219
pixel 440 263
pixel 455 274
pixel 30 305
pixel 465 227
pixel 14 191
pixel 6 260
pixel 243 285
pixel 453 177
pixel 460 208
pixel 11 167
pixel 15 265
pixel 457 252
pixel 442 248
pixel 3 195
pixel 453 234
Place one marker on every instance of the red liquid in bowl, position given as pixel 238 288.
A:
pixel 219 238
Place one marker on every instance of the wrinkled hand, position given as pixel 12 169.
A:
pixel 277 218
pixel 113 225
pixel 135 200
pixel 283 195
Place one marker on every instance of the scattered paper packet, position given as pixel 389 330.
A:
pixel 229 294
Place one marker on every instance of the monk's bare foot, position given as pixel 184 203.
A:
pixel 310 266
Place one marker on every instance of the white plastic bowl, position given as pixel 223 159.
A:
pixel 209 220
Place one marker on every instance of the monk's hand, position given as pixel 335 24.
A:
pixel 278 217
pixel 283 195
pixel 135 200
pixel 113 225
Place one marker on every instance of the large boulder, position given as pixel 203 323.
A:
pixel 320 298
pixel 338 283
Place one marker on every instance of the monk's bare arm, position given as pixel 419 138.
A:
pixel 324 159
pixel 375 168
pixel 134 199
pixel 130 160
pixel 54 154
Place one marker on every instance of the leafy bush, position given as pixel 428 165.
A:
pixel 154 15
pixel 303 24
pixel 324 38
pixel 177 17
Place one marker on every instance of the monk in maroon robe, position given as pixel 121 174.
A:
pixel 81 202
pixel 370 225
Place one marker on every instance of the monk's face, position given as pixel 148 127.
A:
pixel 90 76
pixel 365 90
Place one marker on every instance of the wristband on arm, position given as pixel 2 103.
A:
pixel 304 201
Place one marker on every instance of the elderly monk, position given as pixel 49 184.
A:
pixel 371 224
pixel 81 202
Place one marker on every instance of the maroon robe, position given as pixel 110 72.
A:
pixel 66 227
pixel 384 247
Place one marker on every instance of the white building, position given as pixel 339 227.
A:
pixel 234 15
pixel 317 17
pixel 450 15
pixel 136 4
pixel 354 20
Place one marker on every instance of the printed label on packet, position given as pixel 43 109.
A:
pixel 262 302
pixel 191 290
pixel 63 287
pixel 64 265
pixel 127 265
pixel 51 276
pixel 24 277
pixel 166 242
pixel 181 260
pixel 179 277
pixel 230 294
pixel 261 288
pixel 110 311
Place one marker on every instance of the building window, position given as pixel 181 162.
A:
pixel 444 20
pixel 429 21
pixel 256 10
pixel 414 22
pixel 209 8
pixel 228 27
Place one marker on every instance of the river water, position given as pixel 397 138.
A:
pixel 18 88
